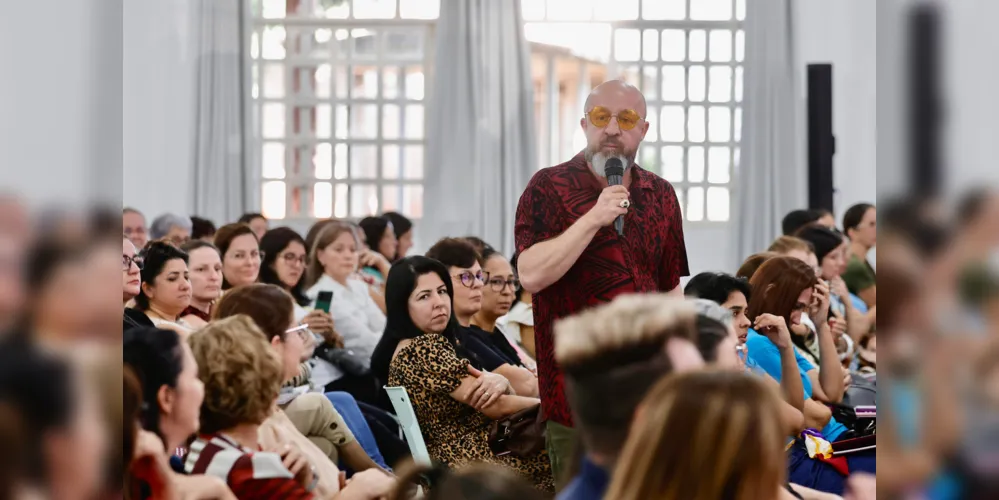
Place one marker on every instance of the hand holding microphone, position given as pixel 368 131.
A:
pixel 613 202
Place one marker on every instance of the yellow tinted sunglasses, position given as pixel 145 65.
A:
pixel 600 117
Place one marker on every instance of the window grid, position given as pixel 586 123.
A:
pixel 338 102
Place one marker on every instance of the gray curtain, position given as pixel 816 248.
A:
pixel 481 142
pixel 772 176
pixel 219 181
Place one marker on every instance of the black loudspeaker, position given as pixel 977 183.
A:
pixel 821 142
pixel 924 101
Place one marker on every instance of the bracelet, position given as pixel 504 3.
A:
pixel 315 480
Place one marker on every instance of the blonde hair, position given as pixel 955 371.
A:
pixel 241 372
pixel 787 244
pixel 326 237
pixel 703 435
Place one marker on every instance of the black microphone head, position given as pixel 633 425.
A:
pixel 613 166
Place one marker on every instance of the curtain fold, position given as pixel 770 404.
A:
pixel 219 180
pixel 481 142
pixel 772 177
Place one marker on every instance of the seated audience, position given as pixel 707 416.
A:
pixel 171 227
pixel 475 482
pixel 205 264
pixel 830 252
pixel 752 263
pixel 257 222
pixel 467 281
pixel 241 257
pixel 612 355
pixel 133 224
pixel 358 319
pixel 797 219
pixel 703 435
pixel 454 402
pixel 519 321
pixel 284 264
pixel 202 229
pixel 403 228
pixel 727 291
pixel 166 285
pixel 271 309
pixel 131 270
pixel 860 222
pixel 314 230
pixel 498 296
pixel 379 234
pixel 793 246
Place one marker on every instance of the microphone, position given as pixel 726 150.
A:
pixel 614 171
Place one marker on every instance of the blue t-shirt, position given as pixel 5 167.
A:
pixel 590 484
pixel 766 356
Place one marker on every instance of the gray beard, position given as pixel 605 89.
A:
pixel 599 161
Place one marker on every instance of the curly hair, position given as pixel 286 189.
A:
pixel 240 370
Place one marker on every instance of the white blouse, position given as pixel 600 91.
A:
pixel 356 316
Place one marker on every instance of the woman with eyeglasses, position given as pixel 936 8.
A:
pixel 131 281
pixel 468 280
pixel 205 264
pixel 498 296
pixel 240 252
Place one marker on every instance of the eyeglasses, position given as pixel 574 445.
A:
pixel 126 262
pixel 303 331
pixel 497 284
pixel 600 117
pixel 468 278
pixel 291 258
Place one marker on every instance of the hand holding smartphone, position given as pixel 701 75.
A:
pixel 324 300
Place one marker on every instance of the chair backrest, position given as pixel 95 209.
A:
pixel 410 427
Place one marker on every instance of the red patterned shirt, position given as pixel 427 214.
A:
pixel 651 256
pixel 251 475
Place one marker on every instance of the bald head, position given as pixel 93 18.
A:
pixel 611 92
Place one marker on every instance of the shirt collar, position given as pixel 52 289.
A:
pixel 639 176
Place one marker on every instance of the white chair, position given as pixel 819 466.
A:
pixel 407 422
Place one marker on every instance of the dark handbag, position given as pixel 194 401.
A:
pixel 344 359
pixel 521 434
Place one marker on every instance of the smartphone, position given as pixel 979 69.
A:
pixel 323 301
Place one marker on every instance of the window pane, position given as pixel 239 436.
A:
pixel 719 124
pixel 364 43
pixel 695 204
pixel 738 84
pixel 374 9
pixel 674 83
pixel 324 119
pixel 674 45
pixel 273 76
pixel 740 10
pixel 720 49
pixel 340 11
pixel 363 200
pixel 255 45
pixel 414 83
pixel 412 201
pixel 658 10
pixel 413 162
pixel 403 45
pixel 719 162
pixel 650 45
pixel 414 121
pixel 698 45
pixel 322 200
pixel 737 124
pixel 711 10
pixel 696 84
pixel 736 158
pixel 629 74
pixel 681 196
pixel 390 82
pixel 695 164
pixel 720 87
pixel 272 199
pixel 671 123
pixel 647 156
pixel 650 82
pixel 695 124
pixel 390 121
pixel 618 10
pixel 568 10
pixel 340 201
pixel 652 117
pixel 363 162
pixel 273 120
pixel 365 82
pixel 363 121
pixel 273 160
pixel 390 162
pixel 323 81
pixel 419 9
pixel 390 198
pixel 255 86
pixel 322 162
pixel 533 10
pixel 740 45
pixel 627 43
pixel 672 163
pixel 341 117
pixel 340 161
pixel 272 42
pixel 717 204
pixel 340 82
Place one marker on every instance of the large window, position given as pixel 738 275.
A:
pixel 338 101
pixel 685 55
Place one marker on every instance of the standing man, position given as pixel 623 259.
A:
pixel 571 258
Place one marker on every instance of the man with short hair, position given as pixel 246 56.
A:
pixel 133 224
pixel 611 356
pixel 571 257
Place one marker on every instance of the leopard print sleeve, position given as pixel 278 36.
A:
pixel 433 364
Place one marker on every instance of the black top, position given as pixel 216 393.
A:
pixel 492 349
pixel 133 318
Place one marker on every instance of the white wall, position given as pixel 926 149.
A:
pixel 158 106
pixel 844 33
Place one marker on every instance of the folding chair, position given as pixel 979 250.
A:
pixel 407 422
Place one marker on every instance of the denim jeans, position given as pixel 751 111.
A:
pixel 351 413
